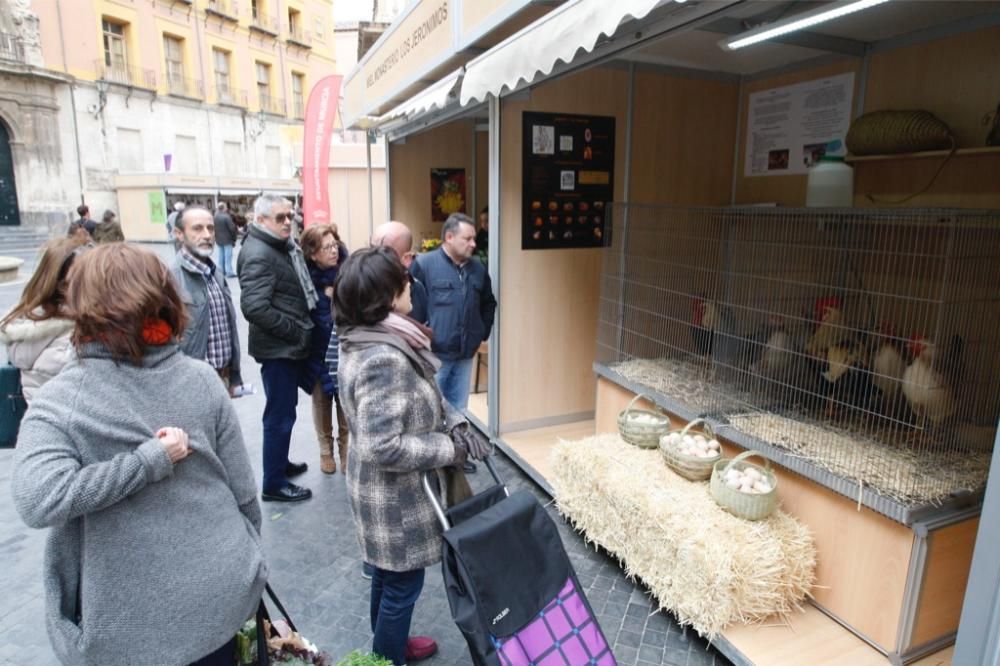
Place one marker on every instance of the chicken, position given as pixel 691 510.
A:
pixel 928 383
pixel 846 379
pixel 704 319
pixel 888 366
pixel 829 313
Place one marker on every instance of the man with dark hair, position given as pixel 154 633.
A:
pixel 211 334
pixel 397 237
pixel 225 238
pixel 277 295
pixel 460 305
pixel 88 224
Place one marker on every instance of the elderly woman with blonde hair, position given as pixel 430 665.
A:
pixel 133 456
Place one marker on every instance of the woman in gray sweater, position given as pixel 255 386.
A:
pixel 134 457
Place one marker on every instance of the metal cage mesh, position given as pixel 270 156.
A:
pixel 862 343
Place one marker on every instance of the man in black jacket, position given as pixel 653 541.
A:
pixel 225 238
pixel 277 295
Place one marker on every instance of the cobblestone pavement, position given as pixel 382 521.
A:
pixel 316 569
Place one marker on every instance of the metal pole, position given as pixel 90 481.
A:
pixel 493 259
pixel 371 199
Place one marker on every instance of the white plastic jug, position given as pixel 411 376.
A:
pixel 830 184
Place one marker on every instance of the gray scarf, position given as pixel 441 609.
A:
pixel 360 336
pixel 301 270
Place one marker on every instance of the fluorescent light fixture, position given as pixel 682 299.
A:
pixel 799 22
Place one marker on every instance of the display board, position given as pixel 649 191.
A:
pixel 790 128
pixel 568 179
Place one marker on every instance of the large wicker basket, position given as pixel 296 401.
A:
pixel 645 435
pixel 691 468
pixel 744 505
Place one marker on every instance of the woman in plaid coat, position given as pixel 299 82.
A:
pixel 400 427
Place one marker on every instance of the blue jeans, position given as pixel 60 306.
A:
pixel 453 379
pixel 394 594
pixel 226 260
pixel 281 391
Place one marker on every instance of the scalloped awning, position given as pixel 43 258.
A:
pixel 557 36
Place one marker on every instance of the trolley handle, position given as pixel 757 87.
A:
pixel 425 479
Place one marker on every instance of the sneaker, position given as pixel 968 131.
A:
pixel 367 571
pixel 419 648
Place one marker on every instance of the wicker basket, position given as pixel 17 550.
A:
pixel 691 468
pixel 643 435
pixel 744 505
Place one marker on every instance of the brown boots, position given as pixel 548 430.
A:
pixel 323 406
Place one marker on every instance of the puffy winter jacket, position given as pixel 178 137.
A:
pixel 272 299
pixel 39 349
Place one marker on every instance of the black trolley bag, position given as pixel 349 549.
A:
pixel 512 590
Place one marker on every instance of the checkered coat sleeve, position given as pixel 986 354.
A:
pixel 397 424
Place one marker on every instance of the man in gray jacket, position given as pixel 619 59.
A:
pixel 277 295
pixel 211 334
pixel 225 238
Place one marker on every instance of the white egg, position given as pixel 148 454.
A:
pixel 714 444
pixel 762 487
pixel 675 437
pixel 752 473
pixel 746 488
pixel 732 474
pixel 688 440
pixel 700 438
pixel 733 483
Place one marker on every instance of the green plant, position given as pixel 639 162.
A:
pixel 363 659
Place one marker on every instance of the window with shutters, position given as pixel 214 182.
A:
pixel 298 84
pixel 173 53
pixel 115 58
pixel 220 60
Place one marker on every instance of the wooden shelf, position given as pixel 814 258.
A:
pixel 961 152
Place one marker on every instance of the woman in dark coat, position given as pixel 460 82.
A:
pixel 400 427
pixel 324 252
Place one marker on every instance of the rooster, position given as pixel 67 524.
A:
pixel 888 366
pixel 829 313
pixel 846 379
pixel 715 335
pixel 928 383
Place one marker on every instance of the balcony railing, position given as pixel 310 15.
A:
pixel 298 108
pixel 231 96
pixel 185 87
pixel 264 23
pixel 299 37
pixel 225 9
pixel 272 105
pixel 126 76
pixel 11 47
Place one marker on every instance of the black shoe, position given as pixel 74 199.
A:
pixel 293 470
pixel 469 467
pixel 290 493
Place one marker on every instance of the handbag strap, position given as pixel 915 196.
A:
pixel 263 658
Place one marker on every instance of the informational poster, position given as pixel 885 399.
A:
pixel 447 193
pixel 568 180
pixel 157 207
pixel 790 128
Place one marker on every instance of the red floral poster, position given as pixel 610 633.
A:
pixel 447 193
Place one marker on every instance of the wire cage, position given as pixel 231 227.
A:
pixel 857 347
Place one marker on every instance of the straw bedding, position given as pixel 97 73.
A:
pixel 707 567
pixel 690 383
pixel 911 477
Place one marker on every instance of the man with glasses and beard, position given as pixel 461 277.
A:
pixel 277 295
pixel 211 334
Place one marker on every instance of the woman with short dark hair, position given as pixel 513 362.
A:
pixel 400 427
pixel 324 254
pixel 133 456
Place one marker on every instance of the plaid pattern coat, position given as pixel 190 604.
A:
pixel 397 420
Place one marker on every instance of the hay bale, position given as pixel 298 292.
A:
pixel 707 567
